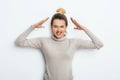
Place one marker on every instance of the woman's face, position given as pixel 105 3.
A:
pixel 58 28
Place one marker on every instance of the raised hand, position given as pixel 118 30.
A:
pixel 77 25
pixel 39 24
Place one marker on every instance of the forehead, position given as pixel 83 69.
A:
pixel 58 22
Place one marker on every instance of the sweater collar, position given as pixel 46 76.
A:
pixel 59 40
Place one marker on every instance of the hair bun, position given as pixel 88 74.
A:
pixel 61 11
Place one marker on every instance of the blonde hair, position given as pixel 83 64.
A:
pixel 60 15
pixel 61 10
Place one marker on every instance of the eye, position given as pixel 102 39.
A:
pixel 62 26
pixel 55 26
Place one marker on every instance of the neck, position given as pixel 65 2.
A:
pixel 58 39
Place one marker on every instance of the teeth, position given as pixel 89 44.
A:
pixel 58 33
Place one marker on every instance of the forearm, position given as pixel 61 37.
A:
pixel 96 41
pixel 24 35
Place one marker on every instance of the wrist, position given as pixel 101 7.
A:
pixel 85 29
pixel 32 26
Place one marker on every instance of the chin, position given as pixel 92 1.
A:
pixel 58 37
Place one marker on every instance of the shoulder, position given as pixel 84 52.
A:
pixel 40 39
pixel 43 38
pixel 72 39
pixel 75 40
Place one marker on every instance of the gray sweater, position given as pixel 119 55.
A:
pixel 58 53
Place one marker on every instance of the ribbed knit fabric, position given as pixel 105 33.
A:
pixel 58 52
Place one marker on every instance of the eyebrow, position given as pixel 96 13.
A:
pixel 57 25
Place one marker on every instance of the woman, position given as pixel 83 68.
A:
pixel 58 50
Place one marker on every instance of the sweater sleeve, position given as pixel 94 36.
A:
pixel 94 43
pixel 23 41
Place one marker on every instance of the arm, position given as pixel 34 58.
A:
pixel 23 41
pixel 94 43
pixel 34 42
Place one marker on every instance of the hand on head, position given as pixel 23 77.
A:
pixel 77 25
pixel 61 11
pixel 39 24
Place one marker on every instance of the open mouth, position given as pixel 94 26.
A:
pixel 58 33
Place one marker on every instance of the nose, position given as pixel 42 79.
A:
pixel 58 29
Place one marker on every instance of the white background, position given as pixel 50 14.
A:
pixel 100 16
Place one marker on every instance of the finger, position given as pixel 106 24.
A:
pixel 41 26
pixel 75 28
pixel 75 21
pixel 72 19
pixel 46 19
pixel 43 21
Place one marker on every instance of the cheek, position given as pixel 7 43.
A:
pixel 53 30
pixel 64 29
